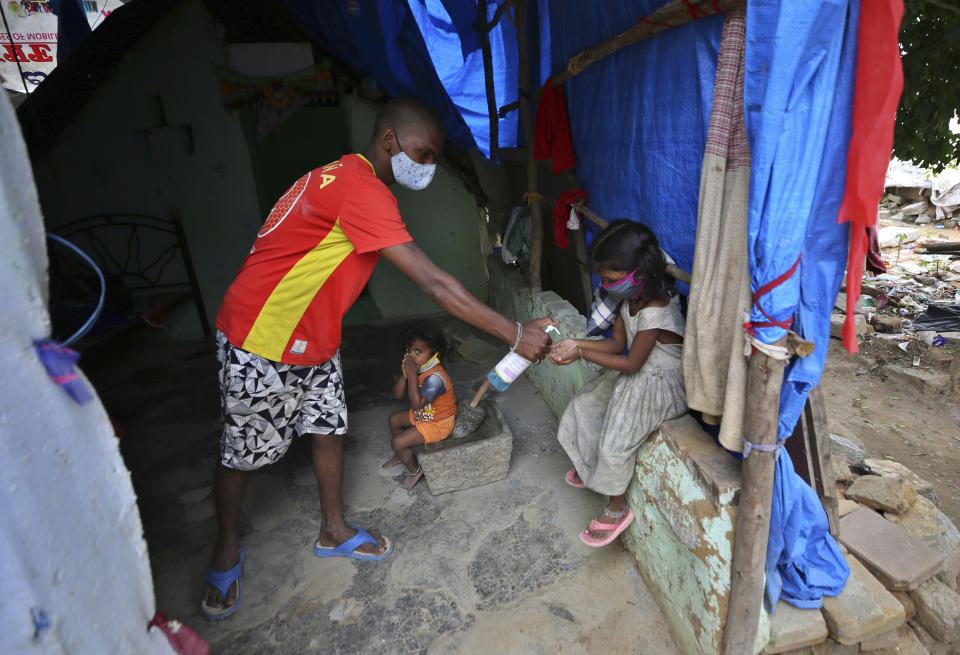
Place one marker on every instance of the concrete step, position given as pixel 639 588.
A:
pixel 898 559
pixel 863 609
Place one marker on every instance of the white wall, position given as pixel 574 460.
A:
pixel 71 541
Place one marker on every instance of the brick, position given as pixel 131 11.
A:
pixel 889 469
pixel 792 628
pixel 863 609
pixel 884 494
pixel 938 610
pixel 481 458
pixel 925 522
pixel 898 559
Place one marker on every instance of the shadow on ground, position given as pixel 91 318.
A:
pixel 497 568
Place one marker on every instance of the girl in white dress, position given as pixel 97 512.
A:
pixel 610 417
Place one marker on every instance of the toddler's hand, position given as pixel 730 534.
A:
pixel 564 351
pixel 410 366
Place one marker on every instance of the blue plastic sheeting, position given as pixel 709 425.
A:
pixel 804 562
pixel 426 49
pixel 639 117
pixel 462 75
pixel 382 39
pixel 798 98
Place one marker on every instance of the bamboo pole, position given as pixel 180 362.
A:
pixel 483 29
pixel 672 14
pixel 764 379
pixel 536 215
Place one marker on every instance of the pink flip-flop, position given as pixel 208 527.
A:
pixel 612 530
pixel 571 479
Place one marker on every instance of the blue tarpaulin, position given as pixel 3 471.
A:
pixel 639 124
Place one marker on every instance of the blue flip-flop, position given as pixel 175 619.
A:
pixel 347 548
pixel 222 580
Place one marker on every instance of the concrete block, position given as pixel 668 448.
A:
pixel 932 380
pixel 792 628
pixel 481 458
pixel 925 522
pixel 938 610
pixel 909 609
pixel 889 469
pixel 846 506
pixel 863 609
pixel 907 644
pixel 860 322
pixel 880 642
pixel 884 494
pixel 684 493
pixel 898 559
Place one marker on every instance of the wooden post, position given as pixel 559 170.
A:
pixel 764 379
pixel 484 32
pixel 817 437
pixel 536 215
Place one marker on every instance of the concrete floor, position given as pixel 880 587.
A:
pixel 494 569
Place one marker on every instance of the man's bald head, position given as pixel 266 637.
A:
pixel 403 114
pixel 407 125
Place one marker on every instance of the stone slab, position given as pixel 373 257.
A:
pixel 863 609
pixel 926 522
pixel 898 559
pixel 846 506
pixel 829 647
pixel 907 644
pixel 481 458
pixel 938 610
pixel 792 628
pixel 890 469
pixel 884 494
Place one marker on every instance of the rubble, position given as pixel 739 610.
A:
pixel 887 494
pixel 890 469
pixel 938 610
pixel 925 522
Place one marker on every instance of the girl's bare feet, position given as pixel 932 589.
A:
pixel 390 463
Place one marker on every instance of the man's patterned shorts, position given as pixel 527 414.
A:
pixel 265 403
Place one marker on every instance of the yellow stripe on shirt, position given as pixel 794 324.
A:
pixel 282 311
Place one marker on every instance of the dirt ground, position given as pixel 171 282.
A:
pixel 877 397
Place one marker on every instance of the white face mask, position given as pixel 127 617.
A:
pixel 410 174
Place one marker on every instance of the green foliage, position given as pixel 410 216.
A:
pixel 930 46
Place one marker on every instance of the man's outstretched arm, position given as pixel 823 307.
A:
pixel 444 289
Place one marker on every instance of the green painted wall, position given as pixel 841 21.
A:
pixel 443 219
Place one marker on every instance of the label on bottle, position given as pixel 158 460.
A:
pixel 510 367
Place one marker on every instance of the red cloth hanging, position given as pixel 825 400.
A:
pixel 875 99
pixel 561 212
pixel 552 129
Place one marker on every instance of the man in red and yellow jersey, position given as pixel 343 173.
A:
pixel 279 328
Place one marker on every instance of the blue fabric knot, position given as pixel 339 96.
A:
pixel 59 361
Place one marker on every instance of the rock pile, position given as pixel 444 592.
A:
pixel 904 556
